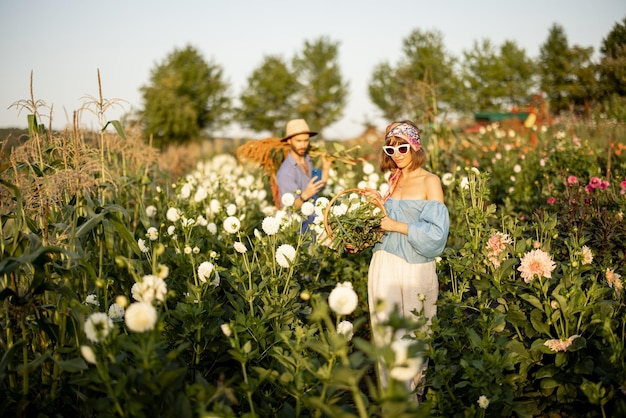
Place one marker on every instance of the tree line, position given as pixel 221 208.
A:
pixel 187 95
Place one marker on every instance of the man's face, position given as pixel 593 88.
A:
pixel 299 143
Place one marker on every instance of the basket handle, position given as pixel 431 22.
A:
pixel 378 202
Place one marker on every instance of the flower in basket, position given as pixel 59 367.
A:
pixel 352 223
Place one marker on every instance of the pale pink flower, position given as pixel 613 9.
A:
pixel 551 200
pixel 536 263
pixel 557 344
pixel 496 244
pixel 614 281
pixel 587 255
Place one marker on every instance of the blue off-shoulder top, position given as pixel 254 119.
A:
pixel 429 223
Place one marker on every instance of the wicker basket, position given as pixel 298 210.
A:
pixel 350 248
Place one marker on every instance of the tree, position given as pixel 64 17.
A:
pixel 323 93
pixel 269 97
pixel 482 76
pixel 185 95
pixel 612 67
pixel 553 68
pixel 496 80
pixel 421 85
pixel 568 74
pixel 583 89
pixel 518 75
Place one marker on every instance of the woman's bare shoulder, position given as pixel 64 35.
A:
pixel 433 187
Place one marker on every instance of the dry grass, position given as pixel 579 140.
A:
pixel 50 169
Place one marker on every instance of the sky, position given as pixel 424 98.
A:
pixel 64 43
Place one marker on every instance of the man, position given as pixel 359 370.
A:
pixel 295 173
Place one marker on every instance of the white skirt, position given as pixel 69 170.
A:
pixel 394 282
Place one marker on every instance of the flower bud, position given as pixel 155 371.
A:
pixel 122 301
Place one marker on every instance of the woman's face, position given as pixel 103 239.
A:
pixel 401 160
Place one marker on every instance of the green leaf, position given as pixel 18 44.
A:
pixel 548 383
pixel 532 299
pixel 474 337
pixel 90 224
pixel 7 357
pixel 72 366
pixel 124 232
pixel 547 371
pixel 537 319
pixel 118 128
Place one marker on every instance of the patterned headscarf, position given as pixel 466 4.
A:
pixel 408 133
pixel 411 135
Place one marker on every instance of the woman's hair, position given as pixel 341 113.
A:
pixel 418 158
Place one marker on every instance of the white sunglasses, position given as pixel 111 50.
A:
pixel 402 149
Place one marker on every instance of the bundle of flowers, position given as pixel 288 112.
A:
pixel 352 223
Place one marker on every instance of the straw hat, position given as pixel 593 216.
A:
pixel 297 127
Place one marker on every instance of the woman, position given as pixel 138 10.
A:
pixel 402 271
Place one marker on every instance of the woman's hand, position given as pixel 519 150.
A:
pixel 371 194
pixel 391 225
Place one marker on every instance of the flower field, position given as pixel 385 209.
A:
pixel 127 292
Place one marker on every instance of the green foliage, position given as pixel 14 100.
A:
pixel 420 85
pixel 258 335
pixel 554 68
pixel 354 222
pixel 312 89
pixel 612 67
pixel 493 329
pixel 568 76
pixel 185 96
pixel 269 97
pixel 323 92
pixel 496 80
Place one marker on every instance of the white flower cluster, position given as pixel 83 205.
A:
pixel 285 255
pixel 270 225
pixel 152 233
pixel 116 312
pixel 371 178
pixel 92 300
pixel 240 247
pixel 346 329
pixel 98 326
pixel 404 367
pixel 141 317
pixel 205 269
pixel 343 300
pixel 150 289
pixel 232 224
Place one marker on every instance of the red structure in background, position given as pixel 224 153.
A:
pixel 519 119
